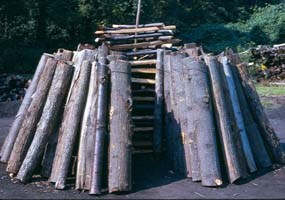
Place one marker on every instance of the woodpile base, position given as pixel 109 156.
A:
pixel 87 112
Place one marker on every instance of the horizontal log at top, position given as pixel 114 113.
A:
pixel 139 129
pixel 135 30
pixel 140 26
pixel 146 117
pixel 144 70
pixel 143 98
pixel 142 52
pixel 143 44
pixel 143 62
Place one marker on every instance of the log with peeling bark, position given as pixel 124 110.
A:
pixel 270 139
pixel 120 154
pixel 87 134
pixel 32 116
pixel 204 123
pixel 222 113
pixel 101 122
pixel 14 130
pixel 238 115
pixel 158 109
pixel 260 154
pixel 57 93
pixel 70 125
pixel 136 30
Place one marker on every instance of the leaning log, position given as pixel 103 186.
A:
pixel 101 124
pixel 260 154
pixel 69 127
pixel 233 165
pixel 14 130
pixel 268 134
pixel 158 109
pixel 120 155
pixel 32 116
pixel 58 91
pixel 238 115
pixel 204 123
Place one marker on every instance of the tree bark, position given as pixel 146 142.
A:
pixel 56 96
pixel 158 108
pixel 32 116
pixel 101 124
pixel 260 154
pixel 70 125
pixel 87 134
pixel 203 123
pixel 238 115
pixel 120 155
pixel 222 113
pixel 14 130
pixel 268 134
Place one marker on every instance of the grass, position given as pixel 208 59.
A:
pixel 264 90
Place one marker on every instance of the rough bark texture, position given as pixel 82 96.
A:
pixel 238 115
pixel 58 91
pixel 69 127
pixel 268 134
pixel 204 123
pixel 222 113
pixel 33 114
pixel 120 155
pixel 158 109
pixel 98 147
pixel 260 154
pixel 87 134
pixel 14 130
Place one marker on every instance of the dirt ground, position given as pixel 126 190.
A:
pixel 155 179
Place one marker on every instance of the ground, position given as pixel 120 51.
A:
pixel 154 179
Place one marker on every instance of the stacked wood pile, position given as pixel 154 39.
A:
pixel 86 112
pixel 12 87
pixel 271 62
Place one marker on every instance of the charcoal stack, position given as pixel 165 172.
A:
pixel 88 111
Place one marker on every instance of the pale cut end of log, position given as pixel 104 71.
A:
pixel 218 182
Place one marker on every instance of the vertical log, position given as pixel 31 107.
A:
pixel 233 165
pixel 204 123
pixel 271 141
pixel 120 155
pixel 260 154
pixel 58 91
pixel 180 119
pixel 14 130
pixel 69 127
pixel 33 114
pixel 100 132
pixel 191 137
pixel 158 109
pixel 238 115
pixel 87 134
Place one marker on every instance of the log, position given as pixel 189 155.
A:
pixel 56 96
pixel 180 119
pixel 270 139
pixel 222 113
pixel 142 117
pixel 144 70
pixel 152 99
pixel 143 44
pixel 139 26
pixel 32 116
pixel 238 115
pixel 87 134
pixel 111 37
pixel 101 122
pixel 135 30
pixel 14 130
pixel 142 52
pixel 143 81
pixel 142 62
pixel 69 127
pixel 260 154
pixel 204 123
pixel 120 154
